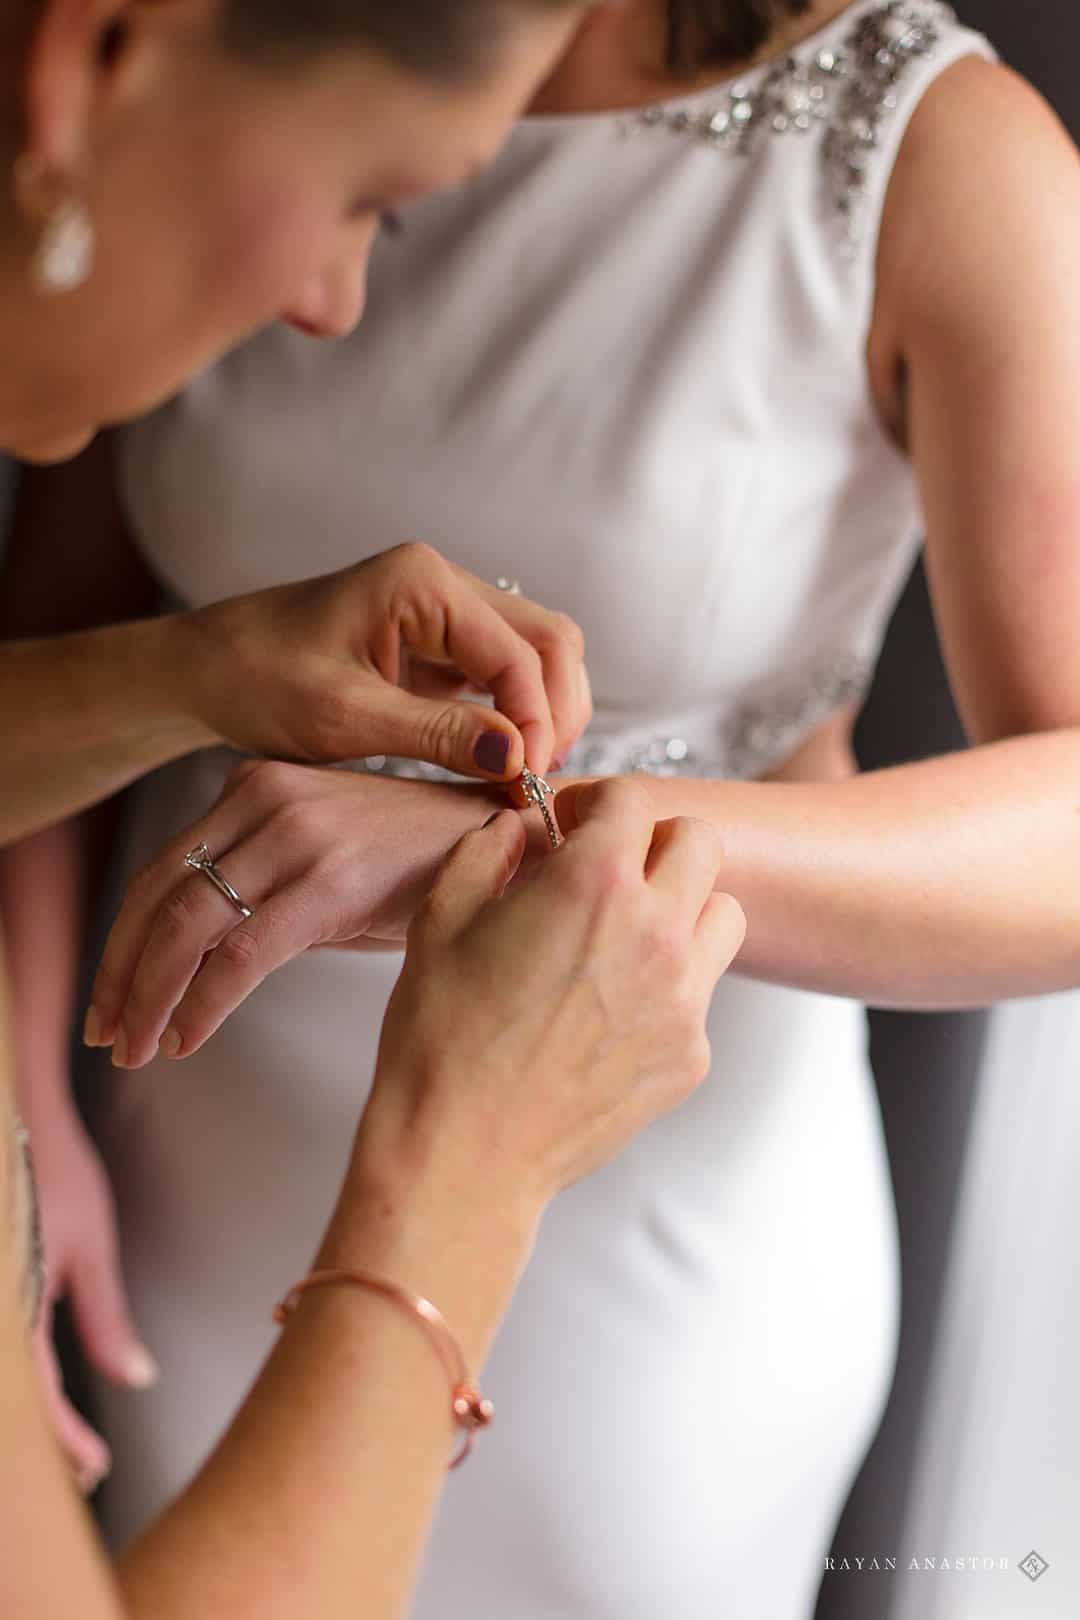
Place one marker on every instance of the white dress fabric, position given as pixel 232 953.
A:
pixel 626 367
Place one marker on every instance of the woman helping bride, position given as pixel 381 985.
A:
pixel 748 300
pixel 252 146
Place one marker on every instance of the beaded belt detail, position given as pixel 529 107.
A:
pixel 758 736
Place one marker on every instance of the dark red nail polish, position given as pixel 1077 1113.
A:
pixel 492 751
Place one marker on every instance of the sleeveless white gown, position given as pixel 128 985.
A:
pixel 626 366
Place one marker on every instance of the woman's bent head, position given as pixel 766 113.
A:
pixel 185 171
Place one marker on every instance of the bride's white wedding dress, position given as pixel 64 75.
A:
pixel 625 366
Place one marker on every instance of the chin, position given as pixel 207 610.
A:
pixel 47 452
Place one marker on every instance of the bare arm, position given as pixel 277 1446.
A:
pixel 366 661
pixel 526 1042
pixel 69 565
pixel 953 882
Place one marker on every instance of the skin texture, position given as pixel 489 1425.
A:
pixel 269 201
pixel 948 882
pixel 225 196
pixel 612 955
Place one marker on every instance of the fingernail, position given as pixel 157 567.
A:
pixel 141 1371
pixel 120 1049
pixel 494 816
pixel 170 1043
pixel 492 751
pixel 92 1028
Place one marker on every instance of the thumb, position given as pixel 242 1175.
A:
pixel 461 736
pixel 103 1318
pixel 476 870
pixel 85 1450
pixel 571 805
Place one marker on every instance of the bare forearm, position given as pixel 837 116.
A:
pixel 82 716
pixel 319 1498
pixel 42 884
pixel 952 882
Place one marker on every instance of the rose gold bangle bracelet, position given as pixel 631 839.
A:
pixel 468 1407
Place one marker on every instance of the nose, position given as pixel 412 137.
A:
pixel 330 305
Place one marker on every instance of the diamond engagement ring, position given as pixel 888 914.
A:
pixel 201 860
pixel 537 791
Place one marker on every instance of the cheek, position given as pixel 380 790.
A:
pixel 270 245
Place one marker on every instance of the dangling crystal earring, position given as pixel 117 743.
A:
pixel 63 257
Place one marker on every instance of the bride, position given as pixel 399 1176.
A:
pixel 756 294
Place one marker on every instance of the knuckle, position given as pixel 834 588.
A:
pixel 417 559
pixel 665 944
pixel 621 795
pixel 605 877
pixel 564 634
pixel 294 820
pixel 441 735
pixel 269 780
pixel 177 914
pixel 239 949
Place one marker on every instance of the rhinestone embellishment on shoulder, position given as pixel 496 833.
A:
pixel 848 91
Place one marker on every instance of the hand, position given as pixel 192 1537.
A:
pixel 530 1037
pixel 79 1230
pixel 323 857
pixel 368 661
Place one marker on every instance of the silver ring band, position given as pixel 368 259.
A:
pixel 538 792
pixel 201 860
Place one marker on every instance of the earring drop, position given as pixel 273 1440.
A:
pixel 65 254
pixel 63 257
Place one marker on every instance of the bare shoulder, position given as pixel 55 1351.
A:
pixel 983 206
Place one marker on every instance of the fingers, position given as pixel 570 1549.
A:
pixel 526 657
pixel 290 922
pixel 192 920
pixel 104 1322
pixel 477 870
pixel 461 736
pixel 148 891
pixel 685 863
pixel 561 647
pixel 718 938
pixel 612 816
pixel 86 1451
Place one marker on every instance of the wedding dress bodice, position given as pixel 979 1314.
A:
pixel 627 367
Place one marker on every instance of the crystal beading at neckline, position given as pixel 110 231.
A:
pixel 848 90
